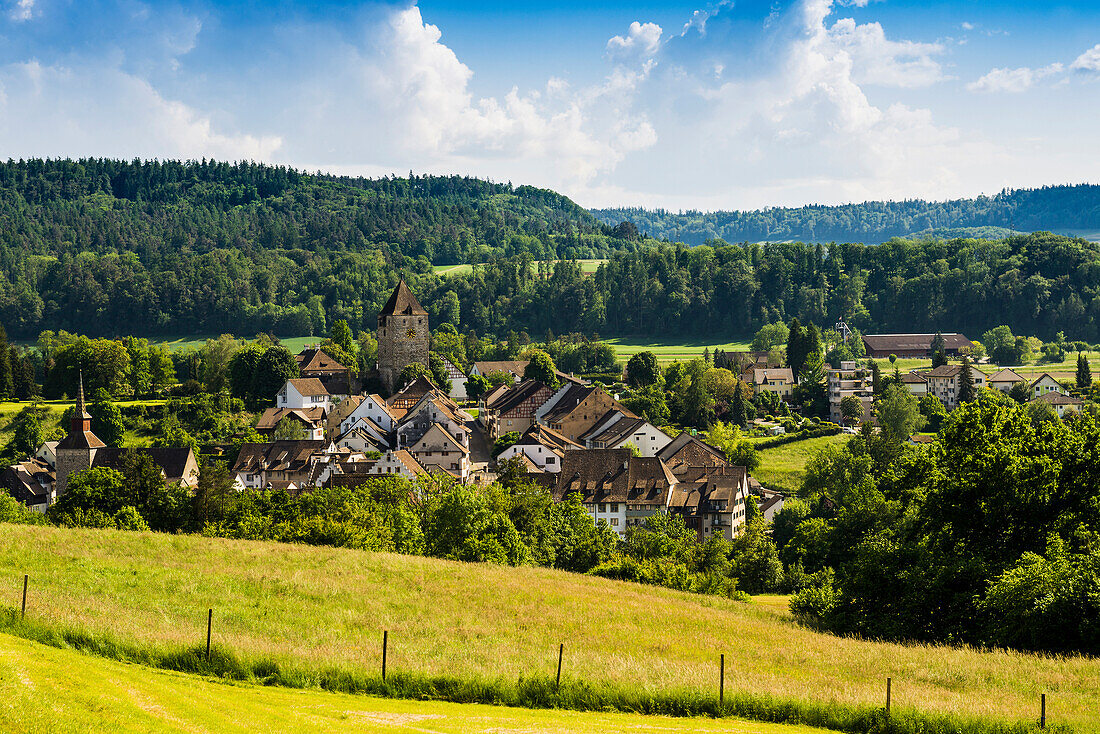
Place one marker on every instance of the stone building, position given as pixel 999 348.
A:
pixel 76 451
pixel 402 336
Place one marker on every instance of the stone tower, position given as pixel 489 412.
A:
pixel 402 336
pixel 76 451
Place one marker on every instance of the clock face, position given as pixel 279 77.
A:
pixel 411 333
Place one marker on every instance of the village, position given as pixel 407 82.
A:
pixel 575 437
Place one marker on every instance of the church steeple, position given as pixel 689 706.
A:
pixel 82 420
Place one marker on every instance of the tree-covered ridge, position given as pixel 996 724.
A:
pixel 110 247
pixel 1068 208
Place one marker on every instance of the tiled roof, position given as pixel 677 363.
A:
pixel 172 461
pixel 912 378
pixel 762 374
pixel 613 475
pixel 1057 398
pixel 308 386
pixel 1006 375
pixel 317 360
pixel 685 439
pixel 272 416
pixel 539 434
pixel 402 301
pixel 279 455
pixel 521 393
pixel 912 342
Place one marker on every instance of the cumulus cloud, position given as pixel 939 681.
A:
pixel 1089 61
pixel 1013 81
pixel 102 111
pixel 641 41
pixel 22 10
pixel 878 60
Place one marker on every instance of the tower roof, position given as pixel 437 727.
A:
pixel 403 302
pixel 80 434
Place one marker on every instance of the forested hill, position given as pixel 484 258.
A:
pixel 1052 208
pixel 109 248
pixel 106 246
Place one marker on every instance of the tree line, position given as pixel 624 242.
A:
pixel 1047 208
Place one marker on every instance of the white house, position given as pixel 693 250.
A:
pixel 1046 384
pixel 542 446
pixel 303 393
pixel 615 430
pixel 438 449
pixel 1061 402
pixel 374 409
pixel 458 380
pixel 398 463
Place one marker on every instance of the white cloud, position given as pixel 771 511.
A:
pixel 642 41
pixel 102 111
pixel 968 26
pixel 22 10
pixel 1088 61
pixel 1013 81
pixel 878 60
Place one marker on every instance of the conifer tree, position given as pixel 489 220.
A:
pixel 796 354
pixel 739 413
pixel 939 351
pixel 1084 373
pixel 967 393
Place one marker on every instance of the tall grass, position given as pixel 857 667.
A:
pixel 314 608
pixel 528 692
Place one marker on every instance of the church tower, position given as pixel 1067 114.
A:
pixel 76 451
pixel 402 336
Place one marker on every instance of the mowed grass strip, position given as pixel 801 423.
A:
pixel 671 350
pixel 52 690
pixel 325 608
pixel 783 467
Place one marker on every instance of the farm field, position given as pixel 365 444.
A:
pixel 670 351
pixel 47 689
pixel 315 608
pixel 1064 370
pixel 587 266
pixel 784 466
pixel 294 343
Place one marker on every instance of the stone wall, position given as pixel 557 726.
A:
pixel 402 340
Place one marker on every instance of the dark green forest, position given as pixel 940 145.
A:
pixel 1056 208
pixel 111 248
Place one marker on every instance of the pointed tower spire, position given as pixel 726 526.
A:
pixel 80 394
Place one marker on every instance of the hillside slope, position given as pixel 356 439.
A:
pixel 44 689
pixel 324 607
pixel 1062 209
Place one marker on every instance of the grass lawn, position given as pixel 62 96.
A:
pixel 325 608
pixel 294 343
pixel 668 350
pixel 1064 370
pixel 46 689
pixel 784 466
pixel 54 410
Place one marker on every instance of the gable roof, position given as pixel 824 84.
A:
pixel 308 386
pixel 280 455
pixel 412 392
pixel 1039 379
pixel 317 360
pixel 272 416
pixel 762 374
pixel 172 461
pixel 402 301
pixel 1056 398
pixel 453 372
pixel 1006 375
pixel 521 393
pixel 540 435
pixel 613 475
pixel 568 402
pixel 618 431
pixel 913 378
pixel 494 395
pixel 513 366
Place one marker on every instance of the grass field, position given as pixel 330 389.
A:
pixel 669 350
pixel 587 266
pixel 54 410
pixel 50 690
pixel 325 608
pixel 1064 370
pixel 294 343
pixel 784 466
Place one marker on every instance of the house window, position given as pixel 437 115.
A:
pixel 549 459
pixel 615 507
pixel 615 522
pixel 603 507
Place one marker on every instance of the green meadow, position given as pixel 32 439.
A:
pixel 314 617
pixel 783 467
pixel 669 350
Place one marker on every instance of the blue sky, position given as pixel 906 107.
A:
pixel 710 105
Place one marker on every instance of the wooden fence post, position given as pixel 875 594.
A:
pixel 1043 711
pixel 888 682
pixel 209 628
pixel 721 681
pixel 385 644
pixel 561 651
pixel 23 611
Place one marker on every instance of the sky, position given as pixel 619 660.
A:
pixel 683 105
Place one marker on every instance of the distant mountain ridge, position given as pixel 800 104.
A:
pixel 1069 209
